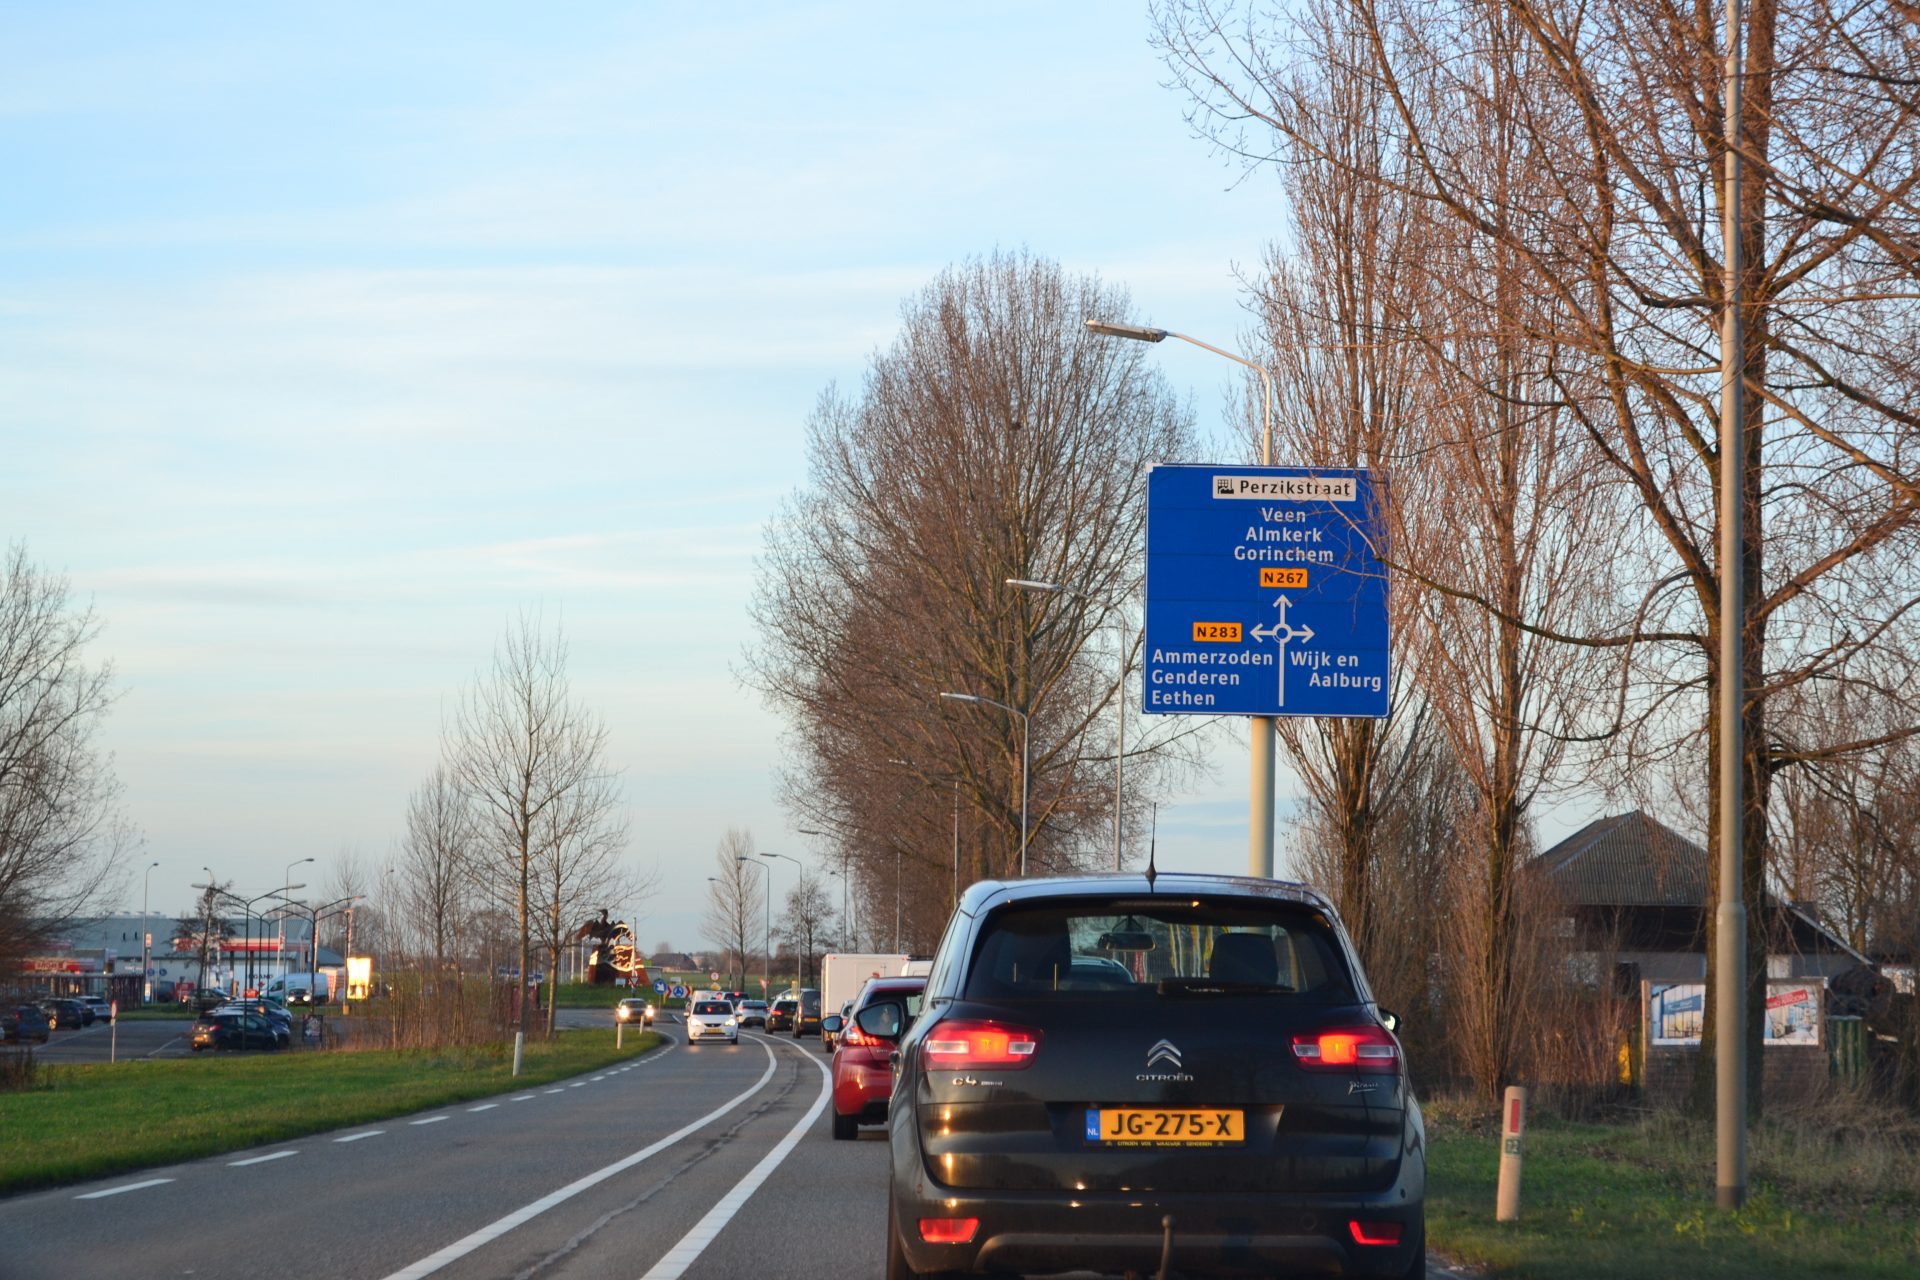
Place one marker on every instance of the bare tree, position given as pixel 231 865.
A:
pixel 204 930
pixel 519 746
pixel 436 866
pixel 994 440
pixel 582 844
pixel 807 922
pixel 735 897
pixel 61 832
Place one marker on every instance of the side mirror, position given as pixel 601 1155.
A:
pixel 831 1024
pixel 884 1020
pixel 1390 1020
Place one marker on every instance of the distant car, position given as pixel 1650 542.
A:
pixel 862 1074
pixel 236 1031
pixel 806 1019
pixel 66 1015
pixel 752 1013
pixel 272 1010
pixel 712 1020
pixel 25 1022
pixel 780 1013
pixel 101 1006
pixel 632 1010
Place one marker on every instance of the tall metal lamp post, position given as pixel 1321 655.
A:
pixel 846 878
pixel 1260 823
pixel 766 974
pixel 146 939
pixel 1120 701
pixel 280 934
pixel 766 853
pixel 1026 756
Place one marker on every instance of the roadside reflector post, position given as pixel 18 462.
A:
pixel 619 1034
pixel 1513 1116
pixel 113 1031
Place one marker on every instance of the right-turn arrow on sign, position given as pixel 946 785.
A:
pixel 1266 594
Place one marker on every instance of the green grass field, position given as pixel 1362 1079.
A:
pixel 89 1121
pixel 1634 1201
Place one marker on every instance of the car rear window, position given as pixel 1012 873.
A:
pixel 1159 947
pixel 713 1007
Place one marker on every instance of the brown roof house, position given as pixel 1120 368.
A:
pixel 1634 896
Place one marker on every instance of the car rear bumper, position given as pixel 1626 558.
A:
pixel 1230 1234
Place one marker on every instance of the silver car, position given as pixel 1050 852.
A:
pixel 712 1020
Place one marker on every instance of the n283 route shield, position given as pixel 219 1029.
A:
pixel 1265 592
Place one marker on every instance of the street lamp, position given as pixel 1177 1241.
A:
pixel 1026 756
pixel 1260 817
pixel 846 878
pixel 280 934
pixel 146 940
pixel 954 899
pixel 766 973
pixel 1120 749
pixel 767 853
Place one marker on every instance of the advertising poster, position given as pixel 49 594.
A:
pixel 1793 1013
pixel 1675 1012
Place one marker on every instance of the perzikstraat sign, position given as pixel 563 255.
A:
pixel 1266 595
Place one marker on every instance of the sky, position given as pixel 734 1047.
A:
pixel 333 338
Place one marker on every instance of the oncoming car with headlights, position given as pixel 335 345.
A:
pixel 1108 1067
pixel 712 1020
pixel 639 1012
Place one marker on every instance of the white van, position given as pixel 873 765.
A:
pixel 297 988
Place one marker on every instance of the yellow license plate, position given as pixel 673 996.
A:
pixel 1162 1126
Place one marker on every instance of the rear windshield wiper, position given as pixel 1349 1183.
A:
pixel 1219 987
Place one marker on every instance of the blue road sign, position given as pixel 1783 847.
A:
pixel 679 992
pixel 660 986
pixel 1265 592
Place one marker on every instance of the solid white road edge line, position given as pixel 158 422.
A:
pixel 278 1155
pixel 691 1245
pixel 130 1186
pixel 494 1230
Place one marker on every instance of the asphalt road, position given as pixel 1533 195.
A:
pixel 711 1162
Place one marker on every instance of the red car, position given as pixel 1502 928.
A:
pixel 862 1076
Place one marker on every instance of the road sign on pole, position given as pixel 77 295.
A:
pixel 1265 592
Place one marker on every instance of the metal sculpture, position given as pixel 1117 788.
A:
pixel 614 954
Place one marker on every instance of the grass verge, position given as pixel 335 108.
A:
pixel 1634 1201
pixel 89 1121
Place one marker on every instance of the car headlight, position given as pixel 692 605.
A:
pixel 732 1021
pixel 649 1011
pixel 622 1014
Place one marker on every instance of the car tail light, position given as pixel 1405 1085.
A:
pixel 948 1230
pixel 853 1035
pixel 1348 1049
pixel 1374 1232
pixel 962 1043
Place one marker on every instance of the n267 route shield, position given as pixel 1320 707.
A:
pixel 1265 592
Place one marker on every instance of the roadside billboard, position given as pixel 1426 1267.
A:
pixel 1677 1010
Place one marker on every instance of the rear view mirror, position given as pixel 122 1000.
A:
pixel 1127 942
pixel 832 1023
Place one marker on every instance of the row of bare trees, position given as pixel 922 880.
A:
pixel 1502 283
pixel 995 439
pixel 514 839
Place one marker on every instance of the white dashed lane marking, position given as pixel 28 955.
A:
pixel 365 1133
pixel 485 1106
pixel 129 1186
pixel 428 1120
pixel 525 1097
pixel 277 1155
